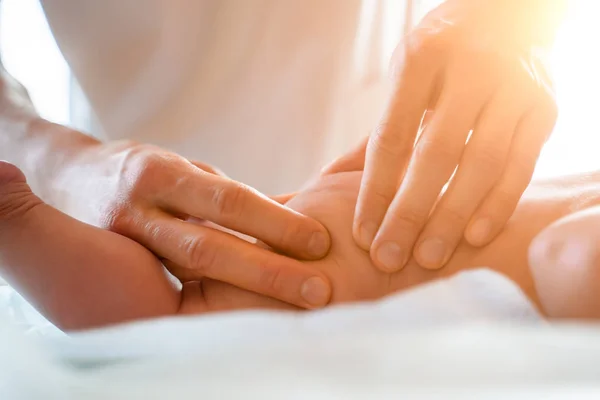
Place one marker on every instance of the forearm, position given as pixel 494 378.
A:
pixel 42 150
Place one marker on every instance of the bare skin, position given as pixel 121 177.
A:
pixel 569 251
pixel 331 200
pixel 80 276
pixel 142 192
pixel 99 277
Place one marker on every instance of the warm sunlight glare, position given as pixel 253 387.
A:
pixel 575 144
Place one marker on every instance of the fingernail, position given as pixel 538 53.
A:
pixel 366 234
pixel 479 232
pixel 318 244
pixel 390 256
pixel 315 291
pixel 432 253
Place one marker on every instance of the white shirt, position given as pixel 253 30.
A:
pixel 269 91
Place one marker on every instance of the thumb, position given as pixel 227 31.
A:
pixel 354 160
pixel 16 197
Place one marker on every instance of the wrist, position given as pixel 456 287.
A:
pixel 43 151
pixel 55 153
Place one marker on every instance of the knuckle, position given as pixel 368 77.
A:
pixel 290 234
pixel 229 200
pixel 118 218
pixel 488 161
pixel 454 216
pixel 271 280
pixel 378 196
pixel 409 221
pixel 382 196
pixel 384 140
pixel 201 254
pixel 148 170
pixel 442 153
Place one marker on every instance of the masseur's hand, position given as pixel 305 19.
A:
pixel 148 195
pixel 470 67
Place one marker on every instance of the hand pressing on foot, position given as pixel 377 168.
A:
pixel 79 276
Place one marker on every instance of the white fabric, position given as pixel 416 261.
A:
pixel 479 295
pixel 472 336
pixel 267 90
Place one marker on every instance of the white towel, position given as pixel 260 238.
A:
pixel 471 336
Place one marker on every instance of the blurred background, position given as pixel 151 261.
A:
pixel 27 44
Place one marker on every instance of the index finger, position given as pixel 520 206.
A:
pixel 388 151
pixel 198 252
pixel 238 207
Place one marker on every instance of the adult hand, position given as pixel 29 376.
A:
pixel 148 195
pixel 467 64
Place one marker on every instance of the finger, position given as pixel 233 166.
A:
pixel 435 159
pixel 238 207
pixel 208 168
pixel 213 296
pixel 499 205
pixel 427 118
pixel 389 149
pixel 351 161
pixel 196 252
pixel 480 167
pixel 283 198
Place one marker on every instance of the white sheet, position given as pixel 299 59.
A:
pixel 473 336
pixel 473 297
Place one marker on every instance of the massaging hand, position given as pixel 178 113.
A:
pixel 148 194
pixel 462 65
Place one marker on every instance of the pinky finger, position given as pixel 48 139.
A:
pixel 499 205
